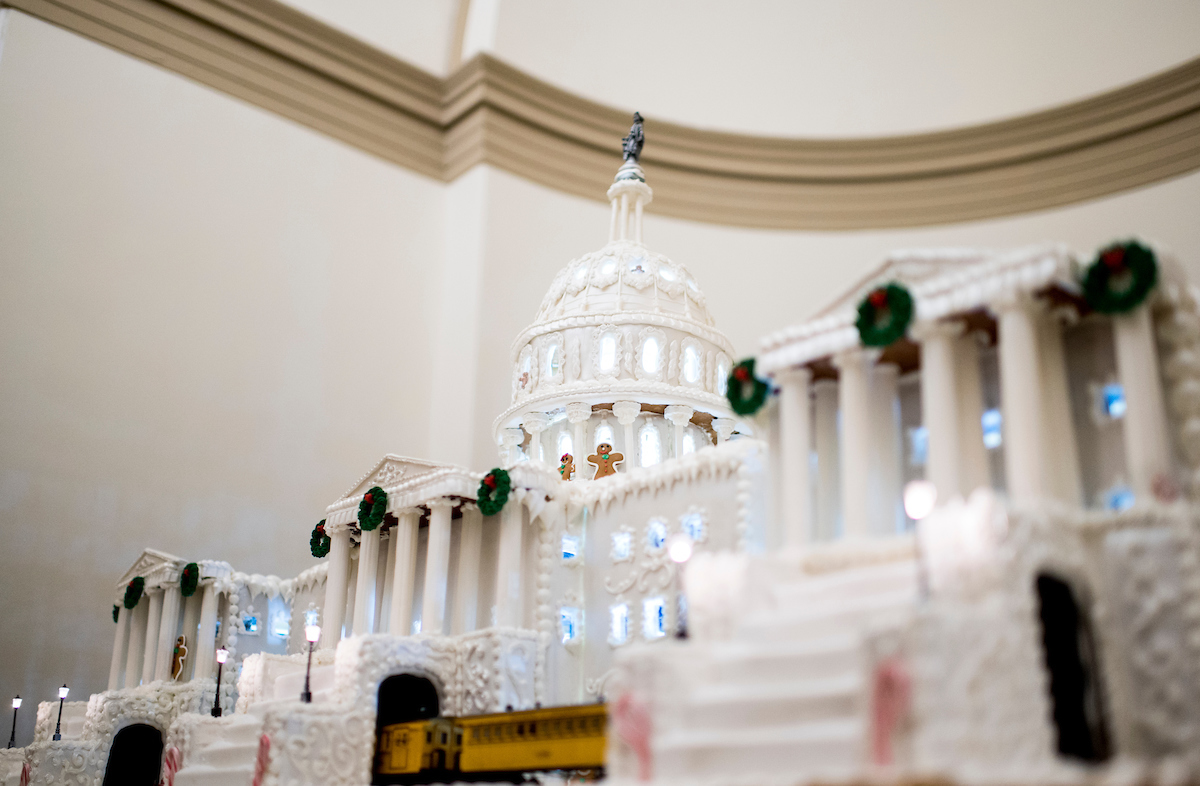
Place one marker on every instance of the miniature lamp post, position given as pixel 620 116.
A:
pixel 313 634
pixel 222 654
pixel 920 498
pixel 12 738
pixel 62 696
pixel 679 549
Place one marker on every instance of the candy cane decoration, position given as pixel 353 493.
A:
pixel 889 703
pixel 633 724
pixel 173 763
pixel 26 773
pixel 262 760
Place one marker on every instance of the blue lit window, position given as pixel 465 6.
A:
pixel 280 625
pixel 693 526
pixel 250 624
pixel 570 547
pixel 654 618
pixel 993 423
pixel 1112 398
pixel 622 545
pixel 570 621
pixel 656 533
pixel 1118 498
pixel 918 446
pixel 618 627
pixel 311 616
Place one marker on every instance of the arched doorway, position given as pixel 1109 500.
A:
pixel 403 698
pixel 1075 683
pixel 135 758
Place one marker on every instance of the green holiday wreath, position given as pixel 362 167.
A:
pixel 133 592
pixel 319 542
pixel 116 612
pixel 371 509
pixel 884 315
pixel 1120 278
pixel 746 392
pixel 493 491
pixel 189 580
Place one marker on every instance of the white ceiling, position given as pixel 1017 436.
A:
pixel 804 67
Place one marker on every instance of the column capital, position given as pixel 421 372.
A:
pixel 578 411
pixel 535 422
pixel 440 502
pixel 793 375
pixel 511 437
pixel 626 411
pixel 925 330
pixel 856 356
pixel 336 528
pixel 724 427
pixel 1015 300
pixel 679 414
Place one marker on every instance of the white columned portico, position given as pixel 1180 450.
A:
pixel 437 567
pixel 1064 481
pixel 336 585
pixel 724 428
pixel 627 412
pixel 887 455
pixel 150 645
pixel 534 423
pixel 206 636
pixel 167 626
pixel 508 567
pixel 470 547
pixel 939 405
pixel 680 416
pixel 1021 397
pixel 137 642
pixel 854 367
pixel 795 437
pixel 1147 449
pixel 120 642
pixel 368 564
pixel 404 571
pixel 825 432
pixel 578 414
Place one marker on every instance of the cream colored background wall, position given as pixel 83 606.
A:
pixel 214 321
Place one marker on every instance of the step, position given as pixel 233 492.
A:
pixel 886 577
pixel 771 703
pixel 738 660
pixel 832 748
pixel 215 776
pixel 228 754
pixel 228 729
pixel 829 619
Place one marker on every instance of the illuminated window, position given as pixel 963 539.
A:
pixel 637 264
pixel 667 274
pixel 1119 497
pixel 722 376
pixel 608 352
pixel 693 526
pixel 565 443
pixel 993 423
pixel 651 445
pixel 650 355
pixel 918 446
pixel 622 545
pixel 250 624
pixel 691 364
pixel 581 274
pixel 689 442
pixel 553 360
pixel 608 266
pixel 570 547
pixel 656 534
pixel 618 624
pixel 654 618
pixel 604 433
pixel 1112 401
pixel 570 623
pixel 281 625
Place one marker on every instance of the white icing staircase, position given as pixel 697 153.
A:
pixel 788 693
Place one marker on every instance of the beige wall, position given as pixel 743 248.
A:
pixel 214 321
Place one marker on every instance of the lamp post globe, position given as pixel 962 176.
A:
pixel 62 697
pixel 222 654
pixel 312 633
pixel 12 738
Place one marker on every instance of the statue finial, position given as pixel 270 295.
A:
pixel 632 144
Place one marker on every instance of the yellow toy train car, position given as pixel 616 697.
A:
pixel 498 747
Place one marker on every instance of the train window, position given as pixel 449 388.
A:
pixel 458 740
pixel 445 738
pixel 429 736
pixel 520 728
pixel 533 728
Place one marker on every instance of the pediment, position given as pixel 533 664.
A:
pixel 390 471
pixel 148 563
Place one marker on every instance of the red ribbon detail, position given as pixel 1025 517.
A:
pixel 633 724
pixel 889 703
pixel 262 760
pixel 172 763
pixel 878 298
pixel 1113 258
pixel 369 498
pixel 490 482
pixel 741 374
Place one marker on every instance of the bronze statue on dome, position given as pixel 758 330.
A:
pixel 632 144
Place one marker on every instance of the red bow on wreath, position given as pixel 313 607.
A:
pixel 741 374
pixel 878 298
pixel 490 481
pixel 369 498
pixel 1113 258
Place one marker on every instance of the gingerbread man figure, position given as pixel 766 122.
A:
pixel 178 656
pixel 605 460
pixel 567 470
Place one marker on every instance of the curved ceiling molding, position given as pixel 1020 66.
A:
pixel 487 112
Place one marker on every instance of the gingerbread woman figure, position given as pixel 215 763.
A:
pixel 567 470
pixel 605 460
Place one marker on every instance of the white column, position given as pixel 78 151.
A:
pixel 534 423
pixel 578 414
pixel 1064 481
pixel 404 571
pixel 887 455
pixel 795 450
pixel 120 641
pixel 336 585
pixel 190 612
pixel 724 428
pixel 470 546
pixel 207 635
pixel 137 643
pixel 368 563
pixel 383 582
pixel 829 473
pixel 627 412
pixel 437 567
pixel 974 470
pixel 510 441
pixel 150 645
pixel 854 390
pixel 167 625
pixel 508 567
pixel 680 416
pixel 939 405
pixel 1147 450
pixel 1021 398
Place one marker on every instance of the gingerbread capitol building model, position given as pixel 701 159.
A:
pixel 946 529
